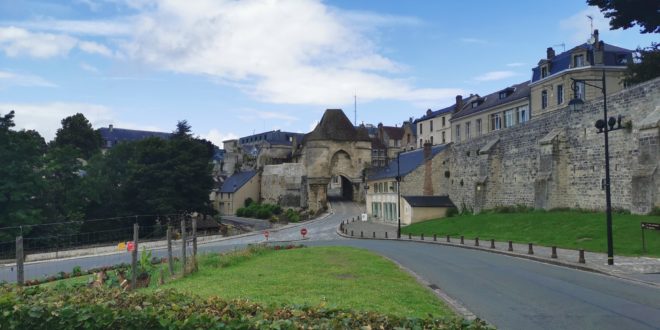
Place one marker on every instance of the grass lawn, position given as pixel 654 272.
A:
pixel 335 276
pixel 567 229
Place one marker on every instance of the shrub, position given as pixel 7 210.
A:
pixel 264 213
pixel 248 202
pixel 452 212
pixel 77 271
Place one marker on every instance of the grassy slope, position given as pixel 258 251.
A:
pixel 568 229
pixel 338 276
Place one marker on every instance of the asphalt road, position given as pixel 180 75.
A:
pixel 508 292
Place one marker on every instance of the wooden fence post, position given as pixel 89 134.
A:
pixel 194 243
pixel 134 253
pixel 183 246
pixel 170 260
pixel 20 275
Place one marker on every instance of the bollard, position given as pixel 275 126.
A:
pixel 581 260
pixel 435 238
pixel 351 233
pixel 476 241
pixel 554 252
pixel 462 240
pixel 530 250
pixel 448 239
pixel 409 236
pixel 374 235
pixel 385 234
pixel 510 246
pixel 422 236
pixel 20 259
pixel 492 243
pixel 361 234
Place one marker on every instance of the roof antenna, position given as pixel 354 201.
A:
pixel 563 46
pixel 355 108
pixel 591 24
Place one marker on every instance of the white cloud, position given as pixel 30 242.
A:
pixel 94 48
pixel 578 25
pixel 217 137
pixel 16 42
pixel 495 75
pixel 46 117
pixel 23 80
pixel 89 68
pixel 515 64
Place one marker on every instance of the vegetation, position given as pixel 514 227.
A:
pixel 572 229
pixel 626 14
pixel 259 211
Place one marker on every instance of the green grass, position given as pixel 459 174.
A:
pixel 567 229
pixel 335 276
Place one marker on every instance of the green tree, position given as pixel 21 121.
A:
pixel 646 65
pixel 624 14
pixel 77 132
pixel 21 156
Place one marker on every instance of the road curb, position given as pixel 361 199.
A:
pixel 511 254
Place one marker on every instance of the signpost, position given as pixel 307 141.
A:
pixel 648 226
pixel 266 234
pixel 303 232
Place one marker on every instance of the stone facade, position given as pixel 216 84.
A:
pixel 284 185
pixel 557 159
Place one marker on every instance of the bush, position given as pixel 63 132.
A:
pixel 452 212
pixel 264 213
pixel 103 308
pixel 248 202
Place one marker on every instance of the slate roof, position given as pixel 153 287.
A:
pixel 429 201
pixel 335 126
pixel 116 135
pixel 409 161
pixel 273 137
pixel 235 182
pixel 517 92
pixel 436 113
pixel 395 133
pixel 612 56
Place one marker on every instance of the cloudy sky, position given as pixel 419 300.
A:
pixel 232 68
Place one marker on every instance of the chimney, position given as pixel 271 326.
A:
pixel 596 37
pixel 459 103
pixel 598 50
pixel 429 112
pixel 110 127
pixel 550 53
pixel 428 170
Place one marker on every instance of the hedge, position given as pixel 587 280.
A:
pixel 103 308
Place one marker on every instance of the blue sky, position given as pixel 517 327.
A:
pixel 232 68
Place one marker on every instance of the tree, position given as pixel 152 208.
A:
pixel 78 133
pixel 646 66
pixel 183 130
pixel 624 14
pixel 21 156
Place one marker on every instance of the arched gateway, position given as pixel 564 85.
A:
pixel 335 148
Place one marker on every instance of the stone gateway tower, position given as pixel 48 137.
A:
pixel 335 148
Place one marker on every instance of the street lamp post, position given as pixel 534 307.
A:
pixel 604 126
pixel 398 191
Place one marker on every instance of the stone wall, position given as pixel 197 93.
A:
pixel 284 185
pixel 413 183
pixel 557 159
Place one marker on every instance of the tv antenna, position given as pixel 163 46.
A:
pixel 591 26
pixel 563 46
pixel 355 108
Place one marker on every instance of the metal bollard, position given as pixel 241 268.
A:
pixel 409 236
pixel 554 252
pixel 351 233
pixel 374 235
pixel 385 234
pixel 361 234
pixel 422 236
pixel 435 238
pixel 530 249
pixel 462 240
pixel 510 246
pixel 492 243
pixel 581 260
pixel 476 241
pixel 448 239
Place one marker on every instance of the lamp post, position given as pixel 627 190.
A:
pixel 604 126
pixel 398 191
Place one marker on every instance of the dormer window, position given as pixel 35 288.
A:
pixel 475 104
pixel 544 71
pixel 578 61
pixel 502 95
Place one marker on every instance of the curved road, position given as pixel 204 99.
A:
pixel 508 292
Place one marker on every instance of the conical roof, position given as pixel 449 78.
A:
pixel 335 126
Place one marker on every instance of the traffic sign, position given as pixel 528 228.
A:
pixel 266 234
pixel 303 232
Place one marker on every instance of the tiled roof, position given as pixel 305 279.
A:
pixel 517 92
pixel 116 135
pixel 335 126
pixel 395 133
pixel 612 57
pixel 429 201
pixel 409 161
pixel 236 181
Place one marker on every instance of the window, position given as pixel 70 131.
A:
pixel 509 118
pixel 579 90
pixel 578 60
pixel 431 139
pixel 467 130
pixel 375 209
pixel 478 123
pixel 502 95
pixel 431 126
pixel 560 94
pixel 443 121
pixel 458 132
pixel 421 143
pixel 421 130
pixel 443 137
pixel 544 99
pixel 495 122
pixel 523 114
pixel 544 71
pixel 474 104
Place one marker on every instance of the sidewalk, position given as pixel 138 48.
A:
pixel 644 269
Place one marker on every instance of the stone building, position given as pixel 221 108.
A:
pixel 409 141
pixel 435 127
pixel 235 190
pixel 392 138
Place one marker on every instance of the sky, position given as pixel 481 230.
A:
pixel 234 68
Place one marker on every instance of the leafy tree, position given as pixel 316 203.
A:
pixel 183 130
pixel 21 155
pixel 78 133
pixel 624 14
pixel 646 66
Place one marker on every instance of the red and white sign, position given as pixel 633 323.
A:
pixel 266 234
pixel 303 232
pixel 130 246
